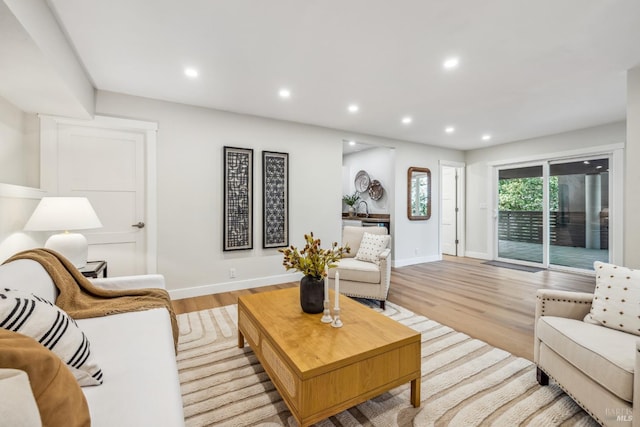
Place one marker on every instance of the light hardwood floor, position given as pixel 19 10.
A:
pixel 490 303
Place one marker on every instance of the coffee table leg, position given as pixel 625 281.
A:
pixel 415 392
pixel 240 339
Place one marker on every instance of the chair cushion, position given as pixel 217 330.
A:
pixel 605 355
pixel 371 246
pixel 356 271
pixel 616 300
pixel 141 386
pixel 353 235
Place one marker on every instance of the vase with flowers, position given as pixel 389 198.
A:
pixel 313 262
pixel 351 200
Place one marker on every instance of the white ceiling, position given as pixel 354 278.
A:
pixel 527 68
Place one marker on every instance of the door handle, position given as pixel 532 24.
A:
pixel 140 224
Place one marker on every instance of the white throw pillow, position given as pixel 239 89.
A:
pixel 370 247
pixel 616 300
pixel 48 324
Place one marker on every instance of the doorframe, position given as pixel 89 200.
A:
pixel 616 192
pixel 460 203
pixel 49 169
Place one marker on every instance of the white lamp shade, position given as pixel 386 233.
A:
pixel 62 214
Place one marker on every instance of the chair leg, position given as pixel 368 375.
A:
pixel 382 305
pixel 542 377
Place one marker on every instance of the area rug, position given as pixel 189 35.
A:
pixel 465 382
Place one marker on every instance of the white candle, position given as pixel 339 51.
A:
pixel 326 284
pixel 337 290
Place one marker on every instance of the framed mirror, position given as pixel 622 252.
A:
pixel 419 194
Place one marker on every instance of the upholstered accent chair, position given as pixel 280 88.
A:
pixel 593 363
pixel 365 272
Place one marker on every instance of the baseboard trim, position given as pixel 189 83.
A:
pixel 479 255
pixel 216 288
pixel 411 261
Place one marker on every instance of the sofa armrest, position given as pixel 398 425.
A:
pixel 384 254
pixel 385 270
pixel 142 281
pixel 572 305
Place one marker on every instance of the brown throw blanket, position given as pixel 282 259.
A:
pixel 81 299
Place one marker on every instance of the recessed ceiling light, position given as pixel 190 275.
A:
pixel 284 93
pixel 352 143
pixel 451 63
pixel 599 167
pixel 486 137
pixel 406 120
pixel 449 129
pixel 353 108
pixel 191 72
pixel 586 162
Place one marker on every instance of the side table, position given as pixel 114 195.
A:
pixel 94 268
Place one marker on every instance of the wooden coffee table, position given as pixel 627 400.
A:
pixel 319 370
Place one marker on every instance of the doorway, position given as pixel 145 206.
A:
pixel 555 213
pixel 112 163
pixel 451 205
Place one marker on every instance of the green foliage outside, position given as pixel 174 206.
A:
pixel 525 194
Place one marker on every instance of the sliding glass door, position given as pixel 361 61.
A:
pixel 579 213
pixel 520 219
pixel 555 213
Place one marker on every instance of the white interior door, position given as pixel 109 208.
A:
pixel 448 226
pixel 106 165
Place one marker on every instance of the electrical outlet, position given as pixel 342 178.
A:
pixel 232 273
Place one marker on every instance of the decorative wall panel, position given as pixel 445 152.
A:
pixel 238 198
pixel 275 193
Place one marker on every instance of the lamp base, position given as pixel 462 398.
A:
pixel 73 246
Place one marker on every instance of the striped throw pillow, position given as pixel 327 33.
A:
pixel 45 322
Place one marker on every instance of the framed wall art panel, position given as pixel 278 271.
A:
pixel 275 199
pixel 238 199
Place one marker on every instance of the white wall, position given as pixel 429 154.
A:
pixel 40 71
pixel 632 172
pixel 479 181
pixel 417 241
pixel 189 146
pixel 16 206
pixel 19 146
pixel 19 169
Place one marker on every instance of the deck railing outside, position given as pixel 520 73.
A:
pixel 565 228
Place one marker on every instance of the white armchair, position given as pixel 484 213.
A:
pixel 364 278
pixel 593 364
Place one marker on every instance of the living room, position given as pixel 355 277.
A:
pixel 183 155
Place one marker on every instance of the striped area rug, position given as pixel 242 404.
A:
pixel 465 382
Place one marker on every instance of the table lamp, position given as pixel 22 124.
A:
pixel 64 214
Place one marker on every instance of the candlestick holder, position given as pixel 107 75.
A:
pixel 337 323
pixel 326 316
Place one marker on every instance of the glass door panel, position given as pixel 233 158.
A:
pixel 579 213
pixel 520 214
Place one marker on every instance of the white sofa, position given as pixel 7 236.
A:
pixel 135 351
